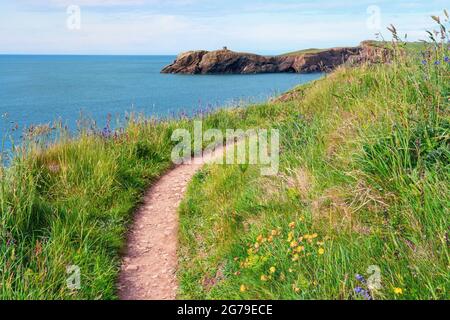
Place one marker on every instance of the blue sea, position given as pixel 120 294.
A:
pixel 42 89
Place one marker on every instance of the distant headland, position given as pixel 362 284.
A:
pixel 225 61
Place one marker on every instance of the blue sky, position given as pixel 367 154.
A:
pixel 172 26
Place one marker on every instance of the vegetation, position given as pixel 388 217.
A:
pixel 364 182
pixel 363 194
pixel 69 203
pixel 304 51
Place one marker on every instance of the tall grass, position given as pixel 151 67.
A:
pixel 363 193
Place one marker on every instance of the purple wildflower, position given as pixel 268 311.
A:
pixel 436 63
pixel 360 278
pixel 446 59
pixel 106 132
pixel 424 62
pixel 363 293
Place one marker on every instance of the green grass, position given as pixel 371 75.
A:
pixel 364 182
pixel 364 175
pixel 304 51
pixel 70 203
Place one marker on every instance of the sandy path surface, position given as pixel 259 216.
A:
pixel 149 266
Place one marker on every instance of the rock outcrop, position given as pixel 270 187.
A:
pixel 230 62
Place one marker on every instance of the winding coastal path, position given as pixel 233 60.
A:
pixel 150 263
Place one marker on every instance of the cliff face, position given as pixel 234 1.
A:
pixel 222 62
pixel 229 62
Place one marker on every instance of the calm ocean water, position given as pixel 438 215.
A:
pixel 41 89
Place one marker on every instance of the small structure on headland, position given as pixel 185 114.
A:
pixel 225 48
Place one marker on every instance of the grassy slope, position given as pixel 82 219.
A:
pixel 364 181
pixel 352 171
pixel 70 204
pixel 304 51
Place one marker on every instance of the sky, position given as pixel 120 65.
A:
pixel 145 27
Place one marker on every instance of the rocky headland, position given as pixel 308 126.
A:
pixel 229 62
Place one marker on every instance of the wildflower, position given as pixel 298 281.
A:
pixel 398 291
pixel 295 257
pixel 106 132
pixel 424 62
pixel 300 249
pixel 321 251
pixel 242 288
pixel 364 293
pixel 256 245
pixel 292 225
pixel 272 269
pixel 436 63
pixel 270 239
pixel 360 278
pixel 274 233
pixel 446 59
pixel 263 277
pixel 297 290
pixel 290 236
pixel 260 238
pixel 315 235
pixel 294 244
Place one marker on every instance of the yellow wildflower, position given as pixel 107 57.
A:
pixel 321 251
pixel 242 288
pixel 295 257
pixel 260 238
pixel 398 291
pixel 300 249
pixel 294 244
pixel 290 236
pixel 292 225
pixel 272 269
pixel 270 239
pixel 263 277
pixel 315 235
pixel 256 245
pixel 297 290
